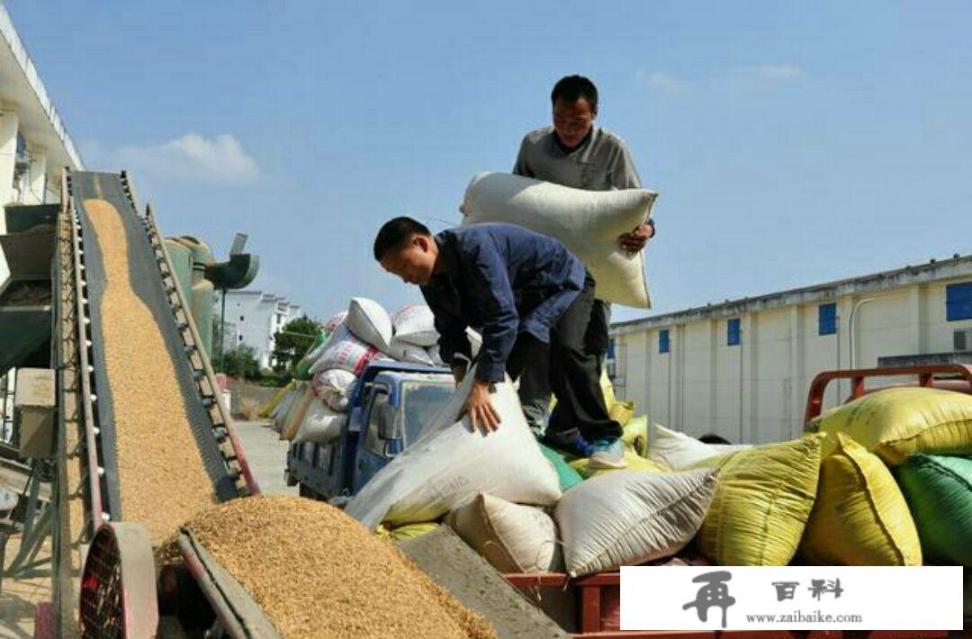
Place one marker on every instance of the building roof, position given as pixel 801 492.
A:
pixel 21 86
pixel 934 270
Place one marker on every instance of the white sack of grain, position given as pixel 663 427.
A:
pixel 587 222
pixel 409 353
pixel 415 324
pixel 369 322
pixel 627 518
pixel 320 424
pixel 678 450
pixel 334 387
pixel 475 343
pixel 345 351
pixel 449 464
pixel 512 537
pixel 336 320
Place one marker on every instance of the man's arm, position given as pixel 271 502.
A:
pixel 625 176
pixel 453 342
pixel 500 322
pixel 500 319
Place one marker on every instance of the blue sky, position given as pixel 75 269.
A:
pixel 791 143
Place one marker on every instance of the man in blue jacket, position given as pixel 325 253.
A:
pixel 522 291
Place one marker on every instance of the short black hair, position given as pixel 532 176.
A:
pixel 712 438
pixel 572 88
pixel 395 232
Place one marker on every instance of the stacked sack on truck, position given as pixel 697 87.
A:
pixel 521 505
pixel 886 481
pixel 352 340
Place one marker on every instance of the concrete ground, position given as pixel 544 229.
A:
pixel 267 456
pixel 18 597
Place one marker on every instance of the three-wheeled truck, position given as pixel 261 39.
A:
pixel 389 405
pixel 386 410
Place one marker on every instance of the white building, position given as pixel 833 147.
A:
pixel 34 145
pixel 252 318
pixel 742 369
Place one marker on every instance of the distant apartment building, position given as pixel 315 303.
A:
pixel 252 318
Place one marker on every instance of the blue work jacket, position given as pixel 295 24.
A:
pixel 501 280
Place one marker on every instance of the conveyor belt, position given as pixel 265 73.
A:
pixel 150 280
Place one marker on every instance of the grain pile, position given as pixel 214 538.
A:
pixel 161 474
pixel 317 573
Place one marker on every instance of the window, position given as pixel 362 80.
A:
pixel 827 319
pixel 733 332
pixel 610 349
pixel 663 341
pixel 958 301
pixel 379 413
pixel 421 402
pixel 241 318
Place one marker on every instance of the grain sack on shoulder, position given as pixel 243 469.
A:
pixel 451 463
pixel 587 222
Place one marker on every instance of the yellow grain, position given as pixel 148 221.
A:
pixel 162 479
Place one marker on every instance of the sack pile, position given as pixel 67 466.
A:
pixel 313 410
pixel 899 493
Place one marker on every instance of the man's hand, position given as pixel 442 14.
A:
pixel 636 239
pixel 480 409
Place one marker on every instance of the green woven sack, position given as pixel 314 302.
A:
pixel 938 490
pixel 303 366
pixel 567 476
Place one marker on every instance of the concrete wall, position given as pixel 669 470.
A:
pixel 756 391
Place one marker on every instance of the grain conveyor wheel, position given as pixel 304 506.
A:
pixel 118 595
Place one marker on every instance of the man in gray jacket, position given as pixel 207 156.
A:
pixel 575 152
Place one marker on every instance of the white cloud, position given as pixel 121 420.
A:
pixel 191 158
pixel 771 72
pixel 662 82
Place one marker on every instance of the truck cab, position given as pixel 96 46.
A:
pixel 389 405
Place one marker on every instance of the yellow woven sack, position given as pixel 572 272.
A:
pixel 621 412
pixel 761 506
pixel 607 389
pixel 408 531
pixel 296 415
pixel 276 399
pixel 861 517
pixel 635 462
pixel 896 422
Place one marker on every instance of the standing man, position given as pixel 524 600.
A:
pixel 530 298
pixel 576 153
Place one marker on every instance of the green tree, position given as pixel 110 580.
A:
pixel 241 363
pixel 292 341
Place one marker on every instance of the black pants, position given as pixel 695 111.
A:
pixel 535 376
pixel 573 369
